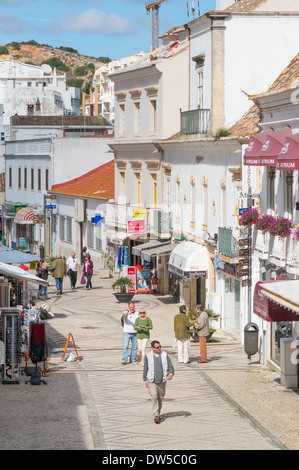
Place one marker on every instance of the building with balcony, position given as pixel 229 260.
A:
pixel 270 174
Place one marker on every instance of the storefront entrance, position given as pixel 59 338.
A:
pixel 231 304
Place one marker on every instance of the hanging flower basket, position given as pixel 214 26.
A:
pixel 264 222
pixel 250 217
pixel 281 227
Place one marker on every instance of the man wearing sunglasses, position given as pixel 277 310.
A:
pixel 158 369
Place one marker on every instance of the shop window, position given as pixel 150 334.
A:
pixel 278 332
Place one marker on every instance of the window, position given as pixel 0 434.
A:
pixel 178 197
pixel 25 177
pixel 137 175
pixel 205 203
pixel 153 116
pixel 223 205
pixel 19 177
pixel 271 187
pixel 122 119
pixel 2 136
pixel 69 233
pixel 32 179
pixel 122 188
pixel 199 66
pixel 192 202
pixel 61 228
pixel 155 195
pixel 136 118
pixel 167 193
pixel 39 179
pixel 10 177
pixel 47 179
pixel 90 235
pixel 289 199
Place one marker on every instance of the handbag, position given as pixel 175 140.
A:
pixel 83 280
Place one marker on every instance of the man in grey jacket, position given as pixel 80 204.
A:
pixel 203 331
pixel 157 370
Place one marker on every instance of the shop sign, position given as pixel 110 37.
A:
pixel 140 213
pixel 136 226
pixel 245 283
pixel 243 272
pixel 244 252
pixel 243 242
pixel 243 262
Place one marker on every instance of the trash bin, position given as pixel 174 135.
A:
pixel 42 251
pixel 251 339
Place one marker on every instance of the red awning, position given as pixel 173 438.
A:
pixel 272 147
pixel 24 215
pixel 289 155
pixel 277 301
pixel 254 148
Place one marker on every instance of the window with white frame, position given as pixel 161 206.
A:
pixel 61 227
pixel 19 177
pixel 10 176
pixel 136 117
pixel 153 116
pixel 192 201
pixel 69 229
pixel 25 177
pixel 205 203
pixel 32 178
pixel 178 197
pixel 155 189
pixel 138 188
pixel 90 235
pixel 122 118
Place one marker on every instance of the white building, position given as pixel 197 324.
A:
pixel 29 90
pixel 32 167
pixel 101 97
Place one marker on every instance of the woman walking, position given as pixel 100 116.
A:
pixel 143 325
pixel 88 270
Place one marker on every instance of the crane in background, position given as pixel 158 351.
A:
pixel 154 7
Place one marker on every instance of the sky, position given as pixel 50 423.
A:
pixel 96 28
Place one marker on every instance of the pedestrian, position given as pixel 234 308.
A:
pixel 88 270
pixel 58 271
pixel 142 325
pixel 43 273
pixel 73 267
pixel 128 319
pixel 83 254
pixel 203 331
pixel 157 370
pixel 182 324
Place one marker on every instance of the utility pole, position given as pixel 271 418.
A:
pixel 154 7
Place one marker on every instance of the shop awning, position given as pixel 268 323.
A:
pixel 289 156
pixel 189 259
pixel 136 250
pixel 9 255
pixel 272 147
pixel 18 273
pixel 158 251
pixel 25 215
pixel 254 148
pixel 277 301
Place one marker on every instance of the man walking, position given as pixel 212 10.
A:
pixel 73 266
pixel 182 324
pixel 58 270
pixel 158 369
pixel 203 331
pixel 128 319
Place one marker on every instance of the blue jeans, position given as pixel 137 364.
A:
pixel 41 290
pixel 126 338
pixel 58 281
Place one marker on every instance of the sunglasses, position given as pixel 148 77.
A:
pixel 157 347
pixel 142 312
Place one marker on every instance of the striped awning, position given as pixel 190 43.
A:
pixel 24 215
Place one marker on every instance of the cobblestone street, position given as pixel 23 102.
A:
pixel 99 404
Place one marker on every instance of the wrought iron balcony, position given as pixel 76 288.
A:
pixel 196 121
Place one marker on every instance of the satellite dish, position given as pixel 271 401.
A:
pixel 46 68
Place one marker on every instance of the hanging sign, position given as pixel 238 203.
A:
pixel 136 226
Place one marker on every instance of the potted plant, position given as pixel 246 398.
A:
pixel 122 285
pixel 212 316
pixel 249 217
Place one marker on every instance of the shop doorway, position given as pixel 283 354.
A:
pixel 201 292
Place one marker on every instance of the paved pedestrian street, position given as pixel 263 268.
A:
pixel 99 404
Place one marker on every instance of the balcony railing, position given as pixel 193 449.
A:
pixel 196 121
pixel 227 243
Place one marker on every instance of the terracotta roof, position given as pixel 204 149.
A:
pixel 96 184
pixel 249 123
pixel 246 5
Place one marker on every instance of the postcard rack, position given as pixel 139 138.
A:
pixel 11 336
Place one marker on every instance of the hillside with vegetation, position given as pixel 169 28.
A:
pixel 79 69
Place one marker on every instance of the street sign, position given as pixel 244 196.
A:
pixel 51 206
pixel 242 211
pixel 243 272
pixel 243 252
pixel 243 262
pixel 245 283
pixel 243 242
pixel 97 220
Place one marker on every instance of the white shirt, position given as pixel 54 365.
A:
pixel 130 322
pixel 72 263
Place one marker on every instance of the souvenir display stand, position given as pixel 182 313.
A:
pixel 11 335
